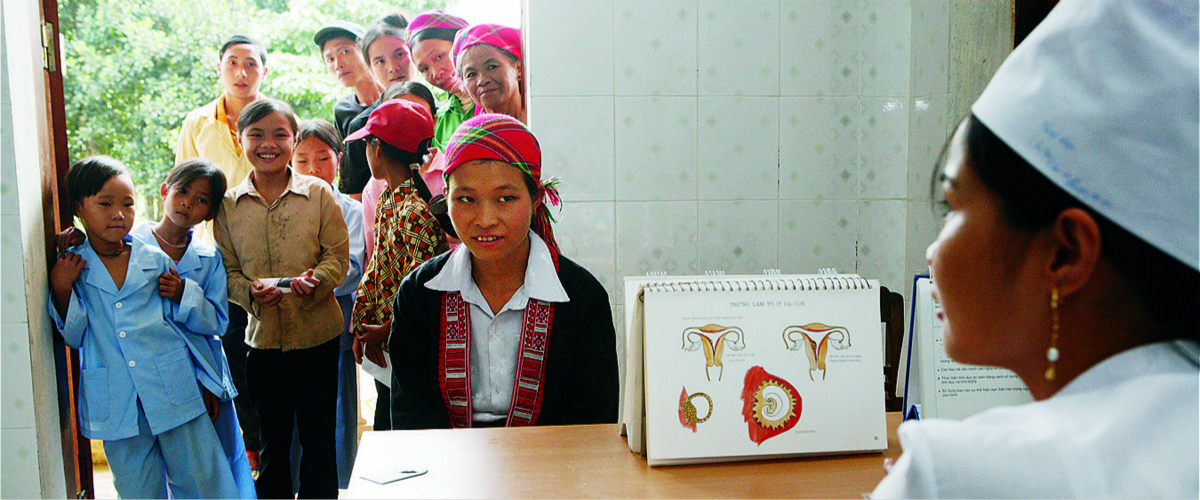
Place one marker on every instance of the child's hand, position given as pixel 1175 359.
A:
pixel 356 346
pixel 375 334
pixel 64 273
pixel 170 285
pixel 211 403
pixel 70 237
pixel 372 338
pixel 374 352
pixel 305 285
pixel 265 295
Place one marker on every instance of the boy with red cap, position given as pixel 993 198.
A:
pixel 397 138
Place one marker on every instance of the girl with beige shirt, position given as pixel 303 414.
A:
pixel 281 224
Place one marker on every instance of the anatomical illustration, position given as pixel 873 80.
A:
pixel 837 336
pixel 713 339
pixel 770 405
pixel 688 415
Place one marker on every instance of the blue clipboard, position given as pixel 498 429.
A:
pixel 911 411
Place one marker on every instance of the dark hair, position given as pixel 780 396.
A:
pixel 87 177
pixel 376 31
pixel 410 87
pixel 238 39
pixel 446 34
pixel 1169 289
pixel 409 159
pixel 530 183
pixel 192 169
pixel 323 131
pixel 260 108
pixel 394 19
pixel 402 156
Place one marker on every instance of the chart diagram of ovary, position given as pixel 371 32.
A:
pixel 837 336
pixel 713 339
pixel 689 416
pixel 770 405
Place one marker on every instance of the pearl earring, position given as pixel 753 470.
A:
pixel 1052 352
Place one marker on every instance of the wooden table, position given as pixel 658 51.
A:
pixel 592 461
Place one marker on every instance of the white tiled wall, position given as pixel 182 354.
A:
pixel 818 233
pixel 929 121
pixel 737 139
pixel 653 43
pixel 741 135
pixel 737 48
pixel 18 443
pixel 738 237
pixel 31 464
pixel 656 151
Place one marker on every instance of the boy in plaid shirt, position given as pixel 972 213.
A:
pixel 397 136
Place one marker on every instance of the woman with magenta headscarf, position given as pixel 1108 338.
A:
pixel 502 331
pixel 430 40
pixel 488 59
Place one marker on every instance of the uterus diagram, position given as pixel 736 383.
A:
pixel 713 339
pixel 798 335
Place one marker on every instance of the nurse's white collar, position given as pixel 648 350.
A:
pixel 541 279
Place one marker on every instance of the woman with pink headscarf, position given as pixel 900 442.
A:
pixel 430 40
pixel 503 330
pixel 488 59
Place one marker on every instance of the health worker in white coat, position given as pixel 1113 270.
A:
pixel 1069 255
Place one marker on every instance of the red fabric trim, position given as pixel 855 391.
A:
pixel 454 359
pixel 531 364
pixel 454 362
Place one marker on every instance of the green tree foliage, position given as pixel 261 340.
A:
pixel 134 68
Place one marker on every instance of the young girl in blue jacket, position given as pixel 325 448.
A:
pixel 138 391
pixel 196 287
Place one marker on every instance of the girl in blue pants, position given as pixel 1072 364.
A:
pixel 138 390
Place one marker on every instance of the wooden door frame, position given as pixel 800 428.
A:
pixel 76 449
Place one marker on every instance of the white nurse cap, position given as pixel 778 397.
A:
pixel 1102 98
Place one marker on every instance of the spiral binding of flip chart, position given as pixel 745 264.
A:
pixel 808 283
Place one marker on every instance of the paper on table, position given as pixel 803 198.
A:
pixel 392 474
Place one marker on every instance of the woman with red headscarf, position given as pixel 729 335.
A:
pixel 503 330
pixel 430 40
pixel 488 59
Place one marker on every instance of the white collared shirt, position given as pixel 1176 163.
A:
pixel 495 337
pixel 1125 428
